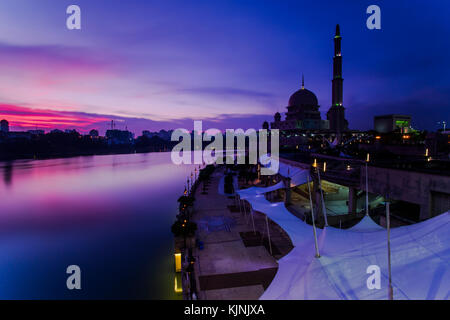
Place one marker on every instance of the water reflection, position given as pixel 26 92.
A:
pixel 7 173
pixel 110 215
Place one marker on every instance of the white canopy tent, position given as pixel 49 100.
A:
pixel 420 259
pixel 420 255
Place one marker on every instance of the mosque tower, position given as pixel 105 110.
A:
pixel 336 113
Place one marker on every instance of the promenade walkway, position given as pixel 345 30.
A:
pixel 235 263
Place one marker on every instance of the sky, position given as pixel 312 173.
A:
pixel 152 65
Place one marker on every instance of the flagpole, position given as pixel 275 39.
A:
pixel 313 222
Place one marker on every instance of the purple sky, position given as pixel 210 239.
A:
pixel 162 64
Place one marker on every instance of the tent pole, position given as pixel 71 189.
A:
pixel 388 223
pixel 324 208
pixel 367 192
pixel 313 222
pixel 268 234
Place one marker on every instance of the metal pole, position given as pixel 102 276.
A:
pixel 324 208
pixel 268 234
pixel 367 192
pixel 313 222
pixel 388 223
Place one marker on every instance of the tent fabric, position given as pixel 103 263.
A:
pixel 298 175
pixel 252 191
pixel 420 256
pixel 366 225
pixel 300 178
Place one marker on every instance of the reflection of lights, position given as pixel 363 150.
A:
pixel 368 157
pixel 315 163
pixel 324 167
pixel 177 289
pixel 426 152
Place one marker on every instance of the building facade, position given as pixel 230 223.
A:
pixel 391 122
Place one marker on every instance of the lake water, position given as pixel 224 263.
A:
pixel 110 215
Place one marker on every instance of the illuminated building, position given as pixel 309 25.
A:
pixel 391 122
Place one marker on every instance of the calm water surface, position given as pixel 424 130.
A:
pixel 111 215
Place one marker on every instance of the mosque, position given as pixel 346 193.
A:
pixel 303 115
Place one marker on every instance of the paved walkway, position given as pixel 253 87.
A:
pixel 235 263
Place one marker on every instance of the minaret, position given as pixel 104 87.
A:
pixel 337 70
pixel 336 114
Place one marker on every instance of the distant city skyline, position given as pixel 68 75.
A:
pixel 233 64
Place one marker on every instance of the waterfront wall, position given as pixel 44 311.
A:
pixel 430 191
